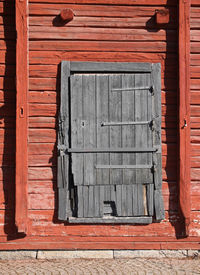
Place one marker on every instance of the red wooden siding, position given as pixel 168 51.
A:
pixel 195 104
pixel 98 32
pixel 102 30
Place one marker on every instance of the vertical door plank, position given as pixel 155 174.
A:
pixel 89 129
pixel 158 201
pixel 102 98
pixel 129 199
pixel 115 115
pixel 91 202
pixel 101 206
pixel 150 199
pixel 64 209
pixel 128 131
pixel 77 122
pixel 124 200
pixel 80 201
pixel 119 200
pixel 134 199
pixel 141 111
pixel 96 201
pixel 85 201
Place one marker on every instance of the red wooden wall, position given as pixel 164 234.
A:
pixel 195 114
pixel 102 30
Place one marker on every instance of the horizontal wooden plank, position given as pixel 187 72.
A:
pixel 94 10
pixel 195 84
pixel 100 34
pixel 194 36
pixel 53 71
pixel 195 119
pixel 44 135
pixel 42 160
pixel 52 109
pixel 51 84
pixel 95 245
pixel 195 174
pixel 195 149
pixel 195 47
pixel 195 161
pixel 113 2
pixel 105 46
pixel 195 2
pixel 55 57
pixel 195 110
pixel 194 12
pixel 106 22
pixel 195 189
pixel 169 121
pixel 43 122
pixel 195 132
pixel 41 224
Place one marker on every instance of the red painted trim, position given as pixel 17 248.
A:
pixel 78 242
pixel 96 244
pixel 184 110
pixel 21 114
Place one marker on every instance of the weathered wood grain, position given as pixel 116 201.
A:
pixel 105 46
pixel 55 57
pixel 94 10
pixel 111 22
pixel 100 34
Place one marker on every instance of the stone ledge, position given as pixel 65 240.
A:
pixel 150 253
pixel 96 254
pixel 18 254
pixel 88 254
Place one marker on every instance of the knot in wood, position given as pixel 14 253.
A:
pixel 66 15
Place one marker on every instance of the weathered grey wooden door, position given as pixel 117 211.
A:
pixel 114 144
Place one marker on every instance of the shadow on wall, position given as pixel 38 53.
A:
pixel 7 118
